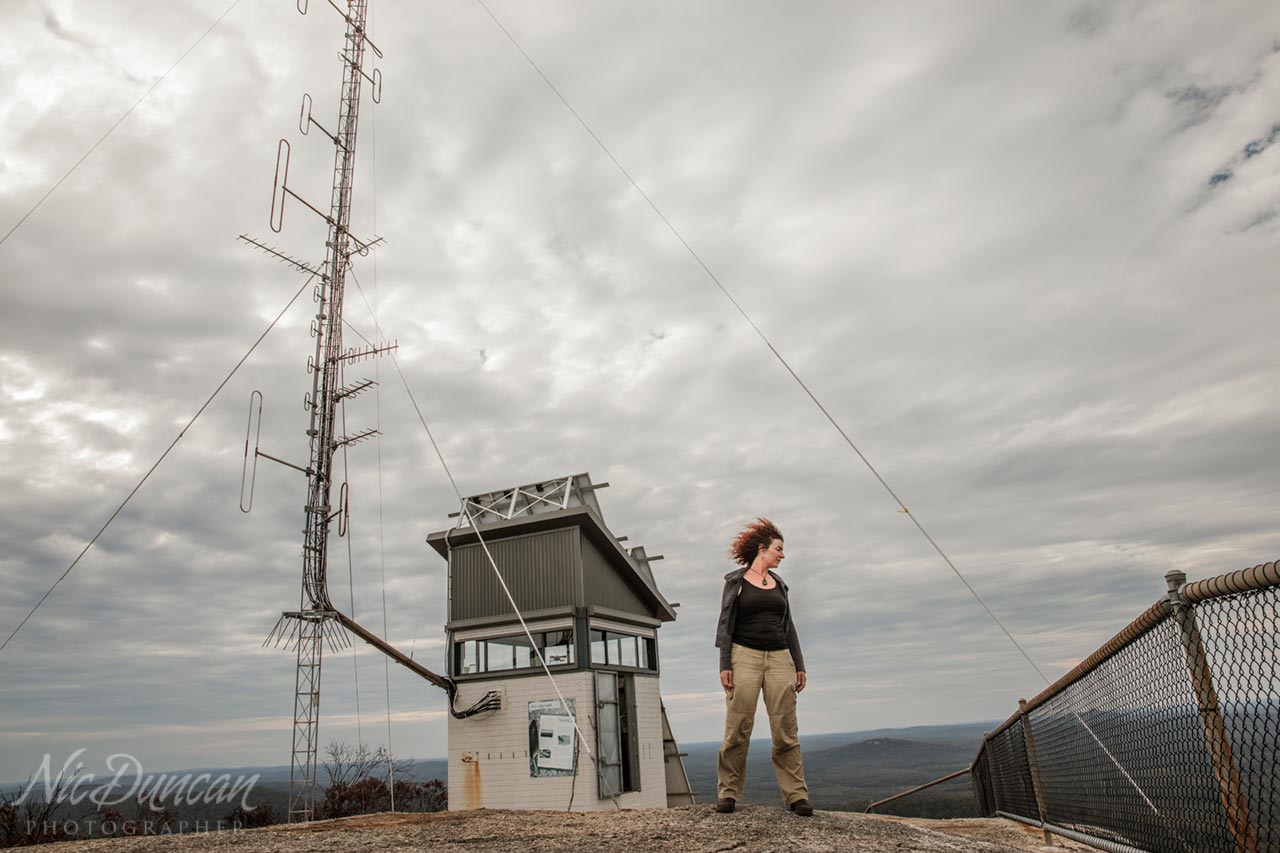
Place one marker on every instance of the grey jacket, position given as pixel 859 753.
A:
pixel 728 614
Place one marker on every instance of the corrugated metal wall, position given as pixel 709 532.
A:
pixel 604 587
pixel 540 569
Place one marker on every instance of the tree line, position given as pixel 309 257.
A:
pixel 356 780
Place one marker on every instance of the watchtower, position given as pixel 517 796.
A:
pixel 593 610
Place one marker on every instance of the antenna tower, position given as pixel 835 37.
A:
pixel 312 625
pixel 311 621
pixel 317 622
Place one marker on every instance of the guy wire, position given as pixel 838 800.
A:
pixel 156 465
pixel 351 585
pixel 867 462
pixel 698 258
pixel 484 546
pixel 501 581
pixel 119 121
pixel 377 408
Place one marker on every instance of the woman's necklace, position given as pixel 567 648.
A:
pixel 764 579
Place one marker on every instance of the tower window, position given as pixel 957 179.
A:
pixel 514 652
pixel 609 648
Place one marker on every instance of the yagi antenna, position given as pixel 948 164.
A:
pixel 300 266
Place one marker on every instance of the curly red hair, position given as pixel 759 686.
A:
pixel 755 536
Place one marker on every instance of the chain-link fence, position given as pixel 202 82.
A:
pixel 1165 738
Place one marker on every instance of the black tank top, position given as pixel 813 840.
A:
pixel 759 621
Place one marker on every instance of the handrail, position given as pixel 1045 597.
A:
pixel 1258 577
pixel 1194 658
pixel 918 788
pixel 1245 580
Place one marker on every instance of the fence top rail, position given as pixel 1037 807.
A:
pixel 1263 576
pixel 1148 619
pixel 999 730
pixel 1245 580
pixel 1258 577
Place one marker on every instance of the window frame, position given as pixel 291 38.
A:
pixel 542 643
pixel 644 650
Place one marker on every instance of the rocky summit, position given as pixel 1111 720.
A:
pixel 696 829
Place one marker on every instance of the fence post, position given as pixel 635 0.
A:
pixel 1215 729
pixel 1030 741
pixel 991 772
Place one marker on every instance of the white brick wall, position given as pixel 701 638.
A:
pixel 489 755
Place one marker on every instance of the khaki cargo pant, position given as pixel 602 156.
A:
pixel 773 672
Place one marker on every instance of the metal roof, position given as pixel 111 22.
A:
pixel 635 572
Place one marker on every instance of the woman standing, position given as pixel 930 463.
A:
pixel 759 650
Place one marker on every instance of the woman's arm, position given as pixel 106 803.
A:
pixel 793 645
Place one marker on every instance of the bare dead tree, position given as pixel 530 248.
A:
pixel 29 819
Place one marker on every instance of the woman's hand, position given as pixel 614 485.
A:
pixel 726 679
pixel 800 681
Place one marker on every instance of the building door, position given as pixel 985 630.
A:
pixel 608 735
pixel 617 741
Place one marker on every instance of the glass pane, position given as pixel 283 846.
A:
pixel 523 651
pixel 597 647
pixel 628 646
pixel 643 644
pixel 558 648
pixel 511 653
pixel 613 647
pixel 608 734
pixel 501 655
pixel 468 657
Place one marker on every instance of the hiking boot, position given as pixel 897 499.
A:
pixel 804 808
pixel 728 804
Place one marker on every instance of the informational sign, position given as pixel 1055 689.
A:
pixel 552 738
pixel 556 741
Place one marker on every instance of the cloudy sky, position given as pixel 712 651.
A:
pixel 1024 253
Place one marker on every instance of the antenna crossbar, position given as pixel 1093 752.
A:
pixel 355 438
pixel 361 353
pixel 349 391
pixel 274 252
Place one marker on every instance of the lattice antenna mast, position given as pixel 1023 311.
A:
pixel 314 623
pixel 315 546
pixel 328 355
pixel 317 622
pixel 326 383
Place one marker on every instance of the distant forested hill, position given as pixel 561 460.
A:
pixel 847 771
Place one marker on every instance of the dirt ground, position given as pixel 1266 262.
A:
pixel 696 829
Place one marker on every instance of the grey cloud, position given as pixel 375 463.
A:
pixel 56 28
pixel 1257 146
pixel 1261 219
pixel 1250 150
pixel 1199 103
